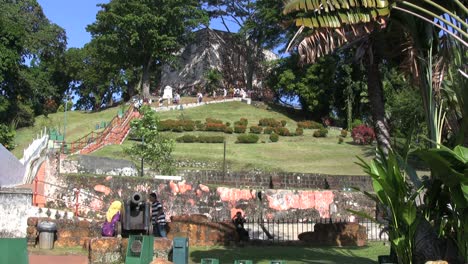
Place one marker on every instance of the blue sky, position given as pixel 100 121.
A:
pixel 74 16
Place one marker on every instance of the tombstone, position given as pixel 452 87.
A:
pixel 167 94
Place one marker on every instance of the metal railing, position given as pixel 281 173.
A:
pixel 284 230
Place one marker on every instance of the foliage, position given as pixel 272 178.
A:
pixel 282 131
pixel 363 135
pixel 269 122
pixel 247 138
pixel 256 129
pixel 309 125
pixel 340 140
pixel 213 79
pixel 299 131
pixel 228 130
pixel 446 199
pixel 274 137
pixel 136 34
pixel 322 132
pixel 7 137
pixel 344 133
pixel 392 191
pixel 268 130
pixel 155 149
pixel 241 122
pixel 239 129
pixel 213 120
pixel 200 139
pixel 220 127
pixel 356 122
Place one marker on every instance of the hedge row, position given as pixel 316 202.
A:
pixel 200 139
pixel 309 125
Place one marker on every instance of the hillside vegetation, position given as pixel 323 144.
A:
pixel 305 154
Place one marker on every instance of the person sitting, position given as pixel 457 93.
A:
pixel 238 220
pixel 112 217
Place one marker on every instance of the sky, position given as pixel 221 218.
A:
pixel 75 15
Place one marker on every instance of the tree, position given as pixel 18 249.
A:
pixel 155 149
pixel 144 34
pixel 7 137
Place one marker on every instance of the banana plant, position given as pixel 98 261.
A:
pixel 447 195
pixel 393 191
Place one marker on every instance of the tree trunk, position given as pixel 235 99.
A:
pixel 146 79
pixel 376 100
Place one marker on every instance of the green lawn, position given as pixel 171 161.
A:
pixel 292 254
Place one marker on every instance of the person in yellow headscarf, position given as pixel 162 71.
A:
pixel 112 217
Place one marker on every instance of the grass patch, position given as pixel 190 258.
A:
pixel 292 254
pixel 75 251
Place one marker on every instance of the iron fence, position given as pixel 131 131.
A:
pixel 283 230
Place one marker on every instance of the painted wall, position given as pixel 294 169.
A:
pixel 15 208
pixel 12 170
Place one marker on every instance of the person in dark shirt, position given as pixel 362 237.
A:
pixel 238 220
pixel 158 218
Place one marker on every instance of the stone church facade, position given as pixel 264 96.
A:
pixel 211 49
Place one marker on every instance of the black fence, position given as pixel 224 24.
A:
pixel 284 230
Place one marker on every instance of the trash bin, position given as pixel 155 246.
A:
pixel 180 250
pixel 209 261
pixel 46 234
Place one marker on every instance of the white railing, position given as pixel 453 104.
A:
pixel 32 153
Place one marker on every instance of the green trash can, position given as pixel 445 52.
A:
pixel 243 261
pixel 46 234
pixel 209 261
pixel 14 250
pixel 180 250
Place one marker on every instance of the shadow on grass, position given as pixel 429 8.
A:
pixel 369 150
pixel 292 255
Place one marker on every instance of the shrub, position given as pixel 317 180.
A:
pixel 299 131
pixel 228 130
pixel 256 129
pixel 241 122
pixel 220 127
pixel 7 137
pixel 268 130
pixel 274 137
pixel 340 140
pixel 247 138
pixel 210 139
pixel 309 125
pixel 344 133
pixel 282 131
pixel 199 125
pixel 363 135
pixel 187 139
pixel 178 129
pixel 239 129
pixel 356 122
pixel 321 132
pixel 269 122
pixel 283 123
pixel 212 120
pixel 228 124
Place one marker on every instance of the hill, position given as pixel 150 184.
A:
pixel 304 154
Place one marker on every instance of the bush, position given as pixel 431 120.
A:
pixel 210 139
pixel 269 122
pixel 282 131
pixel 321 132
pixel 7 137
pixel 356 122
pixel 268 130
pixel 178 129
pixel 363 135
pixel 344 133
pixel 274 137
pixel 299 131
pixel 228 130
pixel 340 140
pixel 228 124
pixel 309 125
pixel 187 139
pixel 256 129
pixel 212 120
pixel 241 122
pixel 247 138
pixel 220 127
pixel 199 125
pixel 283 123
pixel 239 129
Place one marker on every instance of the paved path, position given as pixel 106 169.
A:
pixel 45 259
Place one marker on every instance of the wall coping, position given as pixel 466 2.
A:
pixel 16 190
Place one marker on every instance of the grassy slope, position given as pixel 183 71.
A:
pixel 292 254
pixel 294 154
pixel 78 124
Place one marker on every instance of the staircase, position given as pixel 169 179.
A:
pixel 114 133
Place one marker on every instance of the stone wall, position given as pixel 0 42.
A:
pixel 15 208
pixel 98 165
pixel 216 202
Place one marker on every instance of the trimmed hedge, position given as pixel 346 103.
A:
pixel 321 132
pixel 256 129
pixel 363 135
pixel 212 120
pixel 309 125
pixel 269 122
pixel 239 129
pixel 228 130
pixel 219 127
pixel 299 131
pixel 268 130
pixel 176 125
pixel 274 137
pixel 247 138
pixel 241 122
pixel 344 133
pixel 200 139
pixel 282 131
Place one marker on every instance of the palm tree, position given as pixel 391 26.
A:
pixel 326 25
